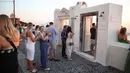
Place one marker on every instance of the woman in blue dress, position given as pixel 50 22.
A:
pixel 43 48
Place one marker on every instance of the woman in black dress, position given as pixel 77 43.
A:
pixel 9 42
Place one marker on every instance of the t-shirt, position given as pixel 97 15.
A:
pixel 52 30
pixel 93 33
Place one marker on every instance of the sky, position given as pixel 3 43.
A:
pixel 42 11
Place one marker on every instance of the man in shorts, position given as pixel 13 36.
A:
pixel 51 30
pixel 93 37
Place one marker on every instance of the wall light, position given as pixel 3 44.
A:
pixel 76 17
pixel 101 14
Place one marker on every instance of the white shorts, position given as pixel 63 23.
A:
pixel 93 41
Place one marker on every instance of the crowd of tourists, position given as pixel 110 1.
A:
pixel 10 37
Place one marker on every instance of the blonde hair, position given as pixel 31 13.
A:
pixel 7 28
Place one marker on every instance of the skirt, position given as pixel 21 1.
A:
pixel 8 61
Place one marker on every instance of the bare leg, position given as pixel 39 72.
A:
pixel 30 64
pixel 91 47
pixel 54 56
pixel 50 53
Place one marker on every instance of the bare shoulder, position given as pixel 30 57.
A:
pixel 1 39
pixel 29 33
pixel 17 33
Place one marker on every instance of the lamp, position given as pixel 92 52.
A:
pixel 76 17
pixel 101 14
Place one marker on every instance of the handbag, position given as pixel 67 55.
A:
pixel 71 43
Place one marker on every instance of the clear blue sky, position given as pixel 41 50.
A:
pixel 41 11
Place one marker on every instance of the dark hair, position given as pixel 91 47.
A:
pixel 65 26
pixel 51 23
pixel 47 25
pixel 123 31
pixel 68 30
pixel 93 24
pixel 29 25
pixel 41 27
pixel 37 26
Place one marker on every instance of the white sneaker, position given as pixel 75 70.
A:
pixel 34 71
pixel 47 69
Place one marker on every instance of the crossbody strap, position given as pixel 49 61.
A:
pixel 11 43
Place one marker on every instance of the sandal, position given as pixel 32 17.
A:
pixel 47 69
pixel 34 71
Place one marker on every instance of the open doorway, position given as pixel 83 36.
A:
pixel 88 33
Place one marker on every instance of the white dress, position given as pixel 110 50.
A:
pixel 68 47
pixel 30 48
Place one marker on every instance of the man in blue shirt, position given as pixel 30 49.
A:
pixel 51 30
pixel 63 38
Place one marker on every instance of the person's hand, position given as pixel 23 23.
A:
pixel 49 34
pixel 46 37
pixel 39 35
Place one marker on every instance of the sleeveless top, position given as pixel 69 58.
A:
pixel 121 40
pixel 43 43
pixel 29 41
pixel 9 60
pixel 69 38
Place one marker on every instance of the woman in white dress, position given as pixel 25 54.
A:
pixel 69 42
pixel 30 47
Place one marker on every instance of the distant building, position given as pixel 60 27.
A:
pixel 17 20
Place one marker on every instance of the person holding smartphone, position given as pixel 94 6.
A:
pixel 43 48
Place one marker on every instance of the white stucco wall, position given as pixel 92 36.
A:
pixel 109 51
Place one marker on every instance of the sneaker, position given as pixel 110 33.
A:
pixel 47 69
pixel 34 71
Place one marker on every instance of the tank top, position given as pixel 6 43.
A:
pixel 29 41
pixel 69 39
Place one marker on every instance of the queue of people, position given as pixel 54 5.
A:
pixel 10 37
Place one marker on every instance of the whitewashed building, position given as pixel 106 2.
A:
pixel 108 17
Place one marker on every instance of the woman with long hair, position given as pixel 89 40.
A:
pixel 30 47
pixel 69 42
pixel 122 36
pixel 9 42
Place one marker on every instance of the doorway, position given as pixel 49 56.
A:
pixel 88 39
pixel 62 23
